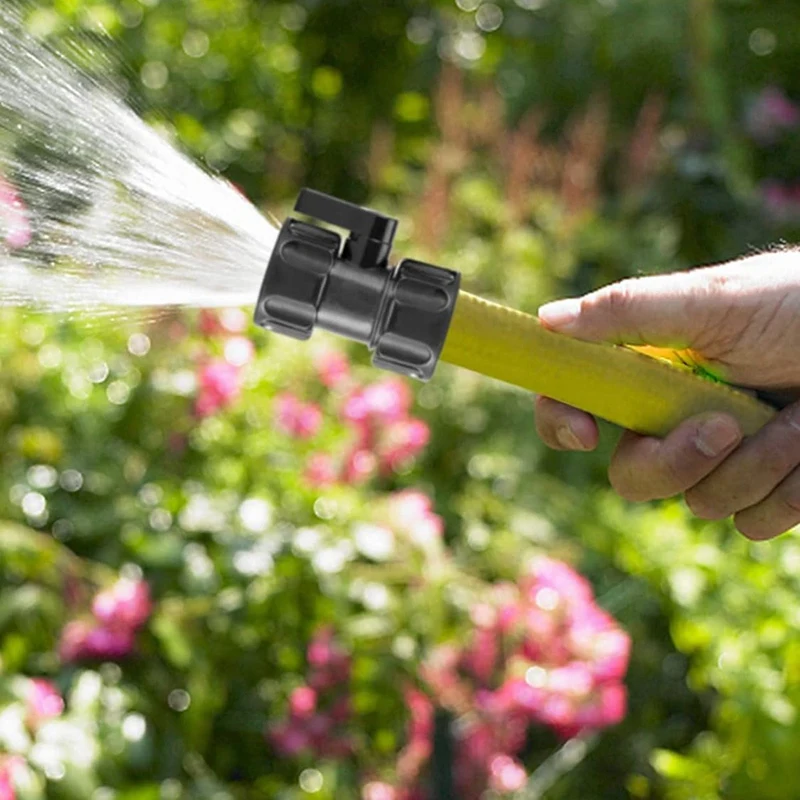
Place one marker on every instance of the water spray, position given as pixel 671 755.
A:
pixel 413 315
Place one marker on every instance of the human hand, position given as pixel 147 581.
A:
pixel 741 320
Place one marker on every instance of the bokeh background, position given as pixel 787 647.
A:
pixel 232 567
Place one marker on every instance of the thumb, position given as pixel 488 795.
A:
pixel 663 310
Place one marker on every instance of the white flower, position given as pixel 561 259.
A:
pixel 374 541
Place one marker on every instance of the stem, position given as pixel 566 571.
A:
pixel 565 759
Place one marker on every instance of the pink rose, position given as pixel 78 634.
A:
pixel 403 440
pixel 81 640
pixel 320 470
pixel 302 702
pixel 408 507
pixel 72 646
pixel 359 467
pixel 771 114
pixel 388 400
pixel 43 701
pixel 220 387
pixel 298 419
pixel 377 790
pixel 289 739
pixel 125 605
pixel 6 787
pixel 506 774
pixel 333 368
pixel 110 643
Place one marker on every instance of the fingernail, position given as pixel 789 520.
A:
pixel 561 314
pixel 716 436
pixel 567 438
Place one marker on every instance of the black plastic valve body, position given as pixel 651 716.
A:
pixel 314 280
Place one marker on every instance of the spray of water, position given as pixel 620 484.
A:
pixel 98 210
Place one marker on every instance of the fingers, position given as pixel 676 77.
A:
pixel 667 310
pixel 645 468
pixel 778 513
pixel 563 427
pixel 753 472
pixel 756 480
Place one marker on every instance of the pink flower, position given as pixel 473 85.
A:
pixel 781 201
pixel 329 662
pixel 558 711
pixel 770 114
pixel 478 743
pixel 360 466
pixel 319 727
pixel 298 419
pixel 126 605
pixel 6 786
pixel 403 441
pixel 412 759
pixel 110 643
pixel 81 640
pixel 14 213
pixel 388 400
pixel 506 774
pixel 377 790
pixel 355 409
pixel 420 726
pixel 573 680
pixel 209 322
pixel 320 470
pixel 570 586
pixel 607 708
pixel 611 653
pixel 481 658
pixel 517 693
pixel 408 507
pixel 333 368
pixel 427 531
pixel 43 701
pixel 220 387
pixel 289 739
pixel 302 702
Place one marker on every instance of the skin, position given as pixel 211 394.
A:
pixel 741 319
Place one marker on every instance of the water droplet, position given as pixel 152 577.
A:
pixel 763 42
pixel 34 504
pixel 139 344
pixel 71 480
pixel 311 781
pixel 179 700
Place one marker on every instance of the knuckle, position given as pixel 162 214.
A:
pixel 704 505
pixel 615 299
pixel 675 475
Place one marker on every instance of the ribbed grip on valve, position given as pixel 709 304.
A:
pixel 416 319
pixel 294 284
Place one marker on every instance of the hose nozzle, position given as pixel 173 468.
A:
pixel 315 280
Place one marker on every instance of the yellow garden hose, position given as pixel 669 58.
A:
pixel 618 384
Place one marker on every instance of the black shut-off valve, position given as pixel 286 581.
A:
pixel 314 280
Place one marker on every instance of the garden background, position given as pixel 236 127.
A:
pixel 232 567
